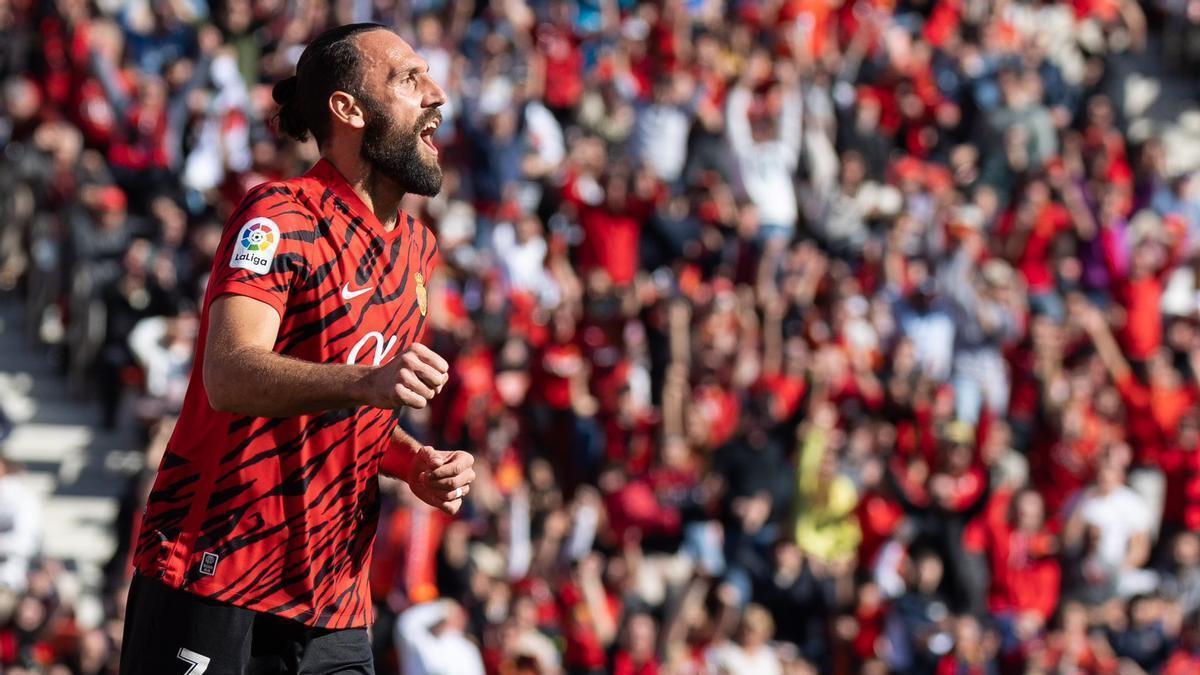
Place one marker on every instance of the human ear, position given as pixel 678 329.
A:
pixel 346 109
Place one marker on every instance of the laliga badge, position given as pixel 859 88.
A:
pixel 255 246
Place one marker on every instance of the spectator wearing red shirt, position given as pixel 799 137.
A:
pixel 558 45
pixel 612 209
pixel 1180 462
pixel 1155 406
pixel 591 614
pixel 637 653
pixel 1024 570
pixel 1138 286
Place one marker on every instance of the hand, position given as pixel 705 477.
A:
pixel 1092 320
pixel 411 379
pixel 441 479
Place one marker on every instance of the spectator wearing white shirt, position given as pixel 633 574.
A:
pixel 750 653
pixel 661 132
pixel 20 528
pixel 431 640
pixel 521 248
pixel 1118 521
pixel 923 319
pixel 766 149
pixel 164 348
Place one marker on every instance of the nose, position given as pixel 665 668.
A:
pixel 434 95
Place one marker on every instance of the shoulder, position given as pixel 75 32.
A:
pixel 282 206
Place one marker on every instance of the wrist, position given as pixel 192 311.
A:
pixel 361 388
pixel 397 461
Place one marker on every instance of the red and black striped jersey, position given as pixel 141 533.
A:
pixel 278 515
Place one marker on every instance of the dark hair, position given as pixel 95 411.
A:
pixel 329 63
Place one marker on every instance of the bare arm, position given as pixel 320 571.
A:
pixel 1106 345
pixel 773 313
pixel 791 118
pixel 1073 530
pixel 1139 551
pixel 737 126
pixel 244 375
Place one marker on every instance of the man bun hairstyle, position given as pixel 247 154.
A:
pixel 331 62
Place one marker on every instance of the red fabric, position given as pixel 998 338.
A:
pixel 815 17
pixel 1025 573
pixel 878 516
pixel 564 65
pixel 635 507
pixel 1142 334
pixel 1182 469
pixel 473 375
pixel 405 558
pixel 943 22
pixel 583 650
pixel 556 365
pixel 144 143
pixel 952 665
pixel 978 532
pixel 1035 261
pixel 722 410
pixel 1084 659
pixel 250 495
pixel 1183 662
pixel 871 622
pixel 631 443
pixel 611 236
pixel 623 664
pixel 786 392
pixel 967 488
pixel 1153 415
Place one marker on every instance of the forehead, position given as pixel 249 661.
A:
pixel 383 50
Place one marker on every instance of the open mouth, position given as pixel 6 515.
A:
pixel 428 131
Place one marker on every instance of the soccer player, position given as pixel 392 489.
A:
pixel 255 545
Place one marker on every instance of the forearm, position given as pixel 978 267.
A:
pixel 398 459
pixel 1109 351
pixel 1139 552
pixel 260 383
pixel 737 126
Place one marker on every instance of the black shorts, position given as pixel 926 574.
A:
pixel 172 632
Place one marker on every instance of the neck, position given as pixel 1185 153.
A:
pixel 381 195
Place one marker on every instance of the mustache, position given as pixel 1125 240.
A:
pixel 433 115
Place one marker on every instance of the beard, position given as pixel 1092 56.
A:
pixel 393 152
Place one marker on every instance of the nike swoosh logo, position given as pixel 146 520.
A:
pixel 348 294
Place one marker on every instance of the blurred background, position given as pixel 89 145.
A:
pixel 789 336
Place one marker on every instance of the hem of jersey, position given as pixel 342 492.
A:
pixel 197 591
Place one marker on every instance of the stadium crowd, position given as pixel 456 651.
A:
pixel 790 336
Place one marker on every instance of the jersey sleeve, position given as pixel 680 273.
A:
pixel 264 247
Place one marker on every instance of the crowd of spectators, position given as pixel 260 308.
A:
pixel 789 336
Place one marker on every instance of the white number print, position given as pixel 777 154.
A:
pixel 382 347
pixel 197 663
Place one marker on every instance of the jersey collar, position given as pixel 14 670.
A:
pixel 327 174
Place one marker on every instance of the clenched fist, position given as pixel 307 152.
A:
pixel 411 379
pixel 441 478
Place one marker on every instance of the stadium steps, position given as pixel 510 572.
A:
pixel 76 470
